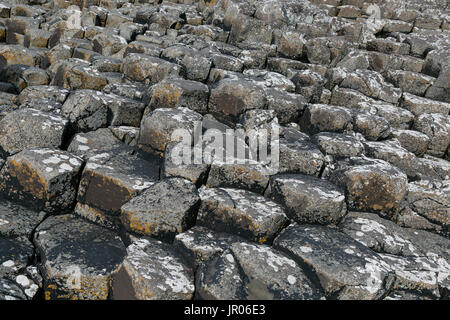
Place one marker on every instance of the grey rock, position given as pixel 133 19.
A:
pixel 152 270
pixel 200 244
pixel 165 209
pixel 45 179
pixel 77 265
pixel 28 128
pixel 344 268
pixel 371 185
pixel 268 275
pixel 240 212
pixel 308 199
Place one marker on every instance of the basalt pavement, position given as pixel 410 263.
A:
pixel 94 206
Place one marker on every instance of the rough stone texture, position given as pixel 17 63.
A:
pixel 77 265
pixel 166 216
pixel 109 173
pixel 149 118
pixel 152 270
pixel 308 199
pixel 158 126
pixel 242 213
pixel 45 179
pixel 249 271
pixel 372 185
pixel 30 128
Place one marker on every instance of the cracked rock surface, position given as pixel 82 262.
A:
pixel 96 96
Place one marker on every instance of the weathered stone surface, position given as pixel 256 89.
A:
pixel 419 105
pixel 152 270
pixel 91 143
pixel 419 259
pixel 268 275
pixel 392 152
pixel 89 110
pixel 308 199
pixel 163 210
pixel 108 173
pixel 299 155
pixel 250 176
pixel 431 201
pixel 174 165
pixel 76 74
pixel 413 141
pixel 180 93
pixel 319 117
pixel 371 126
pixel 339 145
pixel 200 244
pixel 437 128
pixel 140 67
pixel 30 128
pixel 371 185
pixel 231 97
pixel 158 126
pixel 77 265
pixel 241 212
pixel 196 64
pixel 18 221
pixel 45 179
pixel 344 268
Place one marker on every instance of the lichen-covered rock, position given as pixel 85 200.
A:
pixel 141 67
pixel 300 155
pixel 250 271
pixel 90 143
pixel 77 265
pixel 430 200
pixel 200 244
pixel 371 185
pixel 158 126
pixel 437 128
pixel 413 141
pixel 339 145
pixel 308 199
pixel 344 268
pixel 112 173
pixel 175 93
pixel 45 179
pixel 163 210
pixel 89 110
pixel 195 172
pixel 18 221
pixel 241 212
pixel 152 270
pixel 419 259
pixel 30 128
pixel 319 117
pixel 76 74
pixel 231 97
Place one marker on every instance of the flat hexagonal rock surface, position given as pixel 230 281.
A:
pixel 77 265
pixel 166 208
pixel 153 270
pixel 241 212
pixel 206 149
pixel 46 179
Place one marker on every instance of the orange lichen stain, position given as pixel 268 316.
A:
pixel 29 179
pixel 167 95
